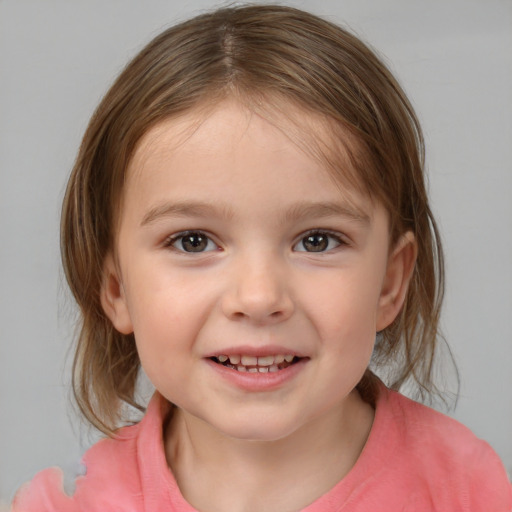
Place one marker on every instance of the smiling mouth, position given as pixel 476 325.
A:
pixel 253 364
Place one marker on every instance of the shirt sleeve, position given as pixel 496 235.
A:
pixel 45 493
pixel 489 489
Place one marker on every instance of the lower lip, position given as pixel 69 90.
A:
pixel 254 382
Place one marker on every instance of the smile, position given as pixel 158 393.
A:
pixel 253 364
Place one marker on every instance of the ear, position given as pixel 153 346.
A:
pixel 396 282
pixel 113 298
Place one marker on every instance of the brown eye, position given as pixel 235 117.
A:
pixel 315 243
pixel 319 241
pixel 193 242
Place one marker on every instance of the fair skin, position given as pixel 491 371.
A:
pixel 233 245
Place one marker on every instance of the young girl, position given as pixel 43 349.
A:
pixel 247 221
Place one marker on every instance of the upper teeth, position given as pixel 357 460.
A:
pixel 246 360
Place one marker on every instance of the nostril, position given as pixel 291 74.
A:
pixel 241 315
pixel 243 304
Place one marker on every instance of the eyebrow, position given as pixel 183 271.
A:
pixel 299 211
pixel 330 209
pixel 185 209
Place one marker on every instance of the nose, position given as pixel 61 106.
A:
pixel 259 292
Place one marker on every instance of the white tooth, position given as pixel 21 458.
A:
pixel 288 358
pixel 252 370
pixel 263 369
pixel 273 368
pixel 278 359
pixel 249 360
pixel 241 368
pixel 234 359
pixel 222 359
pixel 265 361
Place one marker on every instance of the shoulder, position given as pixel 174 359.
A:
pixel 128 473
pixel 119 472
pixel 428 431
pixel 110 470
pixel 450 461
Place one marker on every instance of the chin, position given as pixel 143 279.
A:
pixel 262 430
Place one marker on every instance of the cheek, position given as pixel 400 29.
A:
pixel 167 312
pixel 164 332
pixel 157 294
pixel 346 306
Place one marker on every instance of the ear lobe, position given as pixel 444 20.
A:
pixel 113 299
pixel 396 282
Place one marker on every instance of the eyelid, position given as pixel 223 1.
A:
pixel 339 237
pixel 170 240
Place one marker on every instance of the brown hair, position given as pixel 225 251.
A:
pixel 254 51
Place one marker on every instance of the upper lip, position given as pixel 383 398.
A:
pixel 260 351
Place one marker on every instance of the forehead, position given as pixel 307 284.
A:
pixel 231 163
pixel 270 128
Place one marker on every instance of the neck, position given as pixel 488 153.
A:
pixel 218 473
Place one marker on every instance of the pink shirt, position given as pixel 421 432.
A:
pixel 415 459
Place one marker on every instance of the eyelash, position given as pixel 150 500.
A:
pixel 174 239
pixel 330 235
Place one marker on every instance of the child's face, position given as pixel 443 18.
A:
pixel 235 243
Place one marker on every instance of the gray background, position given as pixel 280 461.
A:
pixel 57 58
